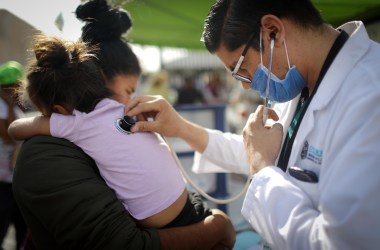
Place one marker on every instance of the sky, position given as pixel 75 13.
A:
pixel 42 14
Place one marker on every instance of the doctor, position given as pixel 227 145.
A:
pixel 315 168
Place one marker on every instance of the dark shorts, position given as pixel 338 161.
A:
pixel 195 210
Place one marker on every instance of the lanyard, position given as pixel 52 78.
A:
pixel 305 101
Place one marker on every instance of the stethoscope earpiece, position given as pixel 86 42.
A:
pixel 272 35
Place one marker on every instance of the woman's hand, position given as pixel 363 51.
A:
pixel 228 233
pixel 214 232
pixel 262 143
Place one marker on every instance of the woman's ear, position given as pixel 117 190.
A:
pixel 272 26
pixel 60 109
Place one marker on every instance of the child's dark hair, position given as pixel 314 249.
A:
pixel 64 73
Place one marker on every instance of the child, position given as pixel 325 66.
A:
pixel 67 86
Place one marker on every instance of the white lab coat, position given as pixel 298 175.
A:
pixel 339 139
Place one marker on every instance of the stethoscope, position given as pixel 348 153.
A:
pixel 124 125
pixel 267 102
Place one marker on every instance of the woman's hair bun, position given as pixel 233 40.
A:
pixel 91 9
pixel 102 22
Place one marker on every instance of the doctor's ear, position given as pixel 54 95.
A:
pixel 272 28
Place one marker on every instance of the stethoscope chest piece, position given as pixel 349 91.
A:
pixel 124 124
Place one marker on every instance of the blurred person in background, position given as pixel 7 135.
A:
pixel 159 85
pixel 215 91
pixel 188 93
pixel 10 73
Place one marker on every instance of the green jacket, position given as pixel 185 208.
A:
pixel 66 203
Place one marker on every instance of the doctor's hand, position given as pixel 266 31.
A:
pixel 262 143
pixel 166 120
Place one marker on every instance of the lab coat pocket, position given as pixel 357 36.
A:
pixel 307 181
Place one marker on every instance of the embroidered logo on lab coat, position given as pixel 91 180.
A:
pixel 311 153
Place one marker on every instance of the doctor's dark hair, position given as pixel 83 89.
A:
pixel 63 73
pixel 231 22
pixel 105 27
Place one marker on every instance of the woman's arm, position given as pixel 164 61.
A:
pixel 215 232
pixel 25 128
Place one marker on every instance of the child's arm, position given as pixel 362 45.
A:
pixel 25 128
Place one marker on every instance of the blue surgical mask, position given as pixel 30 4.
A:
pixel 279 90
